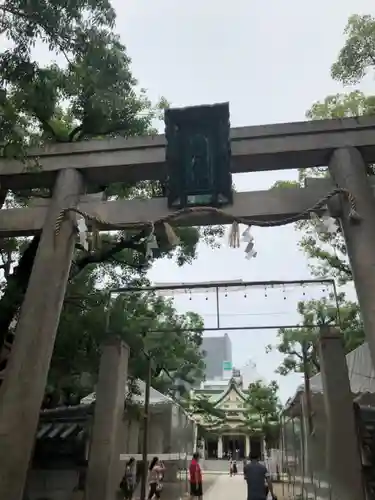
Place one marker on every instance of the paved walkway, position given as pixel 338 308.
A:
pixel 234 488
pixel 226 487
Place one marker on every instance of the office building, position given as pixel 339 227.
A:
pixel 217 357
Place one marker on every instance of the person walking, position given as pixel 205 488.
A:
pixel 258 479
pixel 234 467
pixel 155 473
pixel 195 473
pixel 127 484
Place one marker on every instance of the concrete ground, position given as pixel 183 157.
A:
pixel 179 489
pixel 226 487
pixel 216 487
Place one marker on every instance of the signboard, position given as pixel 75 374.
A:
pixel 227 369
pixel 198 156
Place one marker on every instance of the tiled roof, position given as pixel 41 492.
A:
pixel 361 376
pixel 61 430
pixel 156 397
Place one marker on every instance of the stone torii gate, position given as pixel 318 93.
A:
pixel 346 146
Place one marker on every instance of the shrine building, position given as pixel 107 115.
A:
pixel 230 432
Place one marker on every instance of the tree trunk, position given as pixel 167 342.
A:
pixel 16 287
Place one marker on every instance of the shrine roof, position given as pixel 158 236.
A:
pixel 216 397
pixel 361 377
pixel 156 397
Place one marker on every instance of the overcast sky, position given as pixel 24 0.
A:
pixel 271 60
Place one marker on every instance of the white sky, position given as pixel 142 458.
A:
pixel 271 60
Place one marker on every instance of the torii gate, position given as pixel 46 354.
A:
pixel 346 146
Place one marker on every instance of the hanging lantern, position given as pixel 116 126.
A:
pixel 198 156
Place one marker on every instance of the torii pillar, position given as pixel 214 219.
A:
pixel 348 171
pixel 342 452
pixel 22 391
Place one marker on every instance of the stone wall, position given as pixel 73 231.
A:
pixel 52 484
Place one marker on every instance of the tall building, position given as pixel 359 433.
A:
pixel 217 357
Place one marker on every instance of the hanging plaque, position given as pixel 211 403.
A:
pixel 198 156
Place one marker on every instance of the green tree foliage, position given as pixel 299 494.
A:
pixel 295 343
pixel 89 316
pixel 208 414
pixel 327 251
pixel 263 409
pixel 356 57
pixel 355 60
pixel 92 95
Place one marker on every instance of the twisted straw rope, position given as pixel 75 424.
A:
pixel 353 215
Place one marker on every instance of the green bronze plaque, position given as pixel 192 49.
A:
pixel 198 156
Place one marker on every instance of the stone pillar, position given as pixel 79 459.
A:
pixel 133 436
pixel 155 436
pixel 25 379
pixel 264 448
pixel 348 170
pixel 104 460
pixel 247 446
pixel 343 457
pixel 220 447
pixel 195 437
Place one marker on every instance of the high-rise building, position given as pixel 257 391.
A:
pixel 217 356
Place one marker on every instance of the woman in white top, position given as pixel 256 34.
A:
pixel 155 472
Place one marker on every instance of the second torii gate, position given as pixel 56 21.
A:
pixel 347 146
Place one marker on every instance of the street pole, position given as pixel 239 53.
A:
pixel 145 430
pixel 306 377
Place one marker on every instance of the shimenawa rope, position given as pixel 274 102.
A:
pixel 234 239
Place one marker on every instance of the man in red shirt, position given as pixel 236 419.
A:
pixel 195 473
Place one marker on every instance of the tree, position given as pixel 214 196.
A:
pixel 88 318
pixel 204 411
pixel 357 56
pixel 299 343
pixel 58 25
pixel 263 409
pixel 327 251
pixel 355 60
pixel 94 95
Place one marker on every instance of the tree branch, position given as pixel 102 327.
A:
pixel 107 253
pixel 314 360
pixel 297 354
pixel 29 17
pixel 16 287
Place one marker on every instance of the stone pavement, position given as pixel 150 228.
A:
pixel 226 487
pixel 234 488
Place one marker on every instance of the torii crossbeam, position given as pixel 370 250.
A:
pixel 346 146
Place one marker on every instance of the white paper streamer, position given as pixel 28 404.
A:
pixel 151 245
pixel 324 225
pixel 250 251
pixel 82 233
pixel 246 236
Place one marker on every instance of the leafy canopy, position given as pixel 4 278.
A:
pixel 92 95
pixel 295 343
pixel 327 252
pixel 263 409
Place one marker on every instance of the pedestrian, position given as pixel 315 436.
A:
pixel 127 484
pixel 195 473
pixel 234 467
pixel 231 468
pixel 155 473
pixel 258 479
